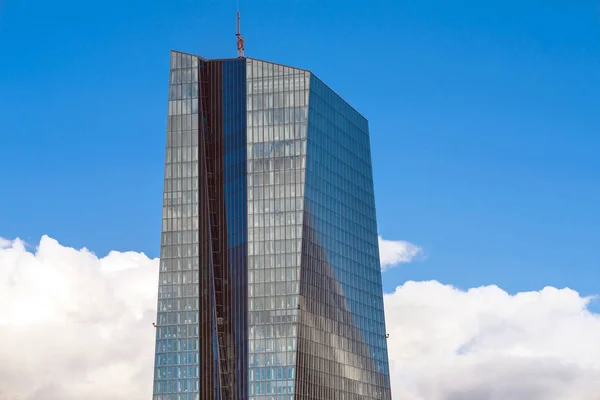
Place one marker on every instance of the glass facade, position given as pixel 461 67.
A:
pixel 235 195
pixel 177 341
pixel 270 283
pixel 277 109
pixel 342 351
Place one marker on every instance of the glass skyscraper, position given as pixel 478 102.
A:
pixel 270 282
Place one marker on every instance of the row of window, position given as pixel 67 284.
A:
pixel 176 359
pixel 341 146
pixel 282 373
pixel 184 138
pixel 177 345
pixel 272 331
pixel 275 233
pixel 180 211
pixel 181 154
pixel 177 291
pixel 177 372
pixel 292 116
pixel 267 275
pixel 271 387
pixel 179 107
pixel 259 68
pixel 321 385
pixel 275 178
pixel 181 185
pixel 176 386
pixel 273 164
pixel 184 252
pixel 345 338
pixel 280 345
pixel 182 60
pixel 347 190
pixel 334 226
pixel 185 91
pixel 277 219
pixel 274 84
pixel 177 318
pixel 334 172
pixel 327 100
pixel 277 99
pixel 294 130
pixel 179 278
pixel 181 125
pixel 285 148
pixel 185 75
pixel 182 170
pixel 178 198
pixel 183 224
pixel 273 261
pixel 288 301
pixel 274 247
pixel 276 191
pixel 270 317
pixel 180 263
pixel 172 332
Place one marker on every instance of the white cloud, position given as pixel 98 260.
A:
pixel 75 326
pixel 448 344
pixel 4 243
pixel 394 252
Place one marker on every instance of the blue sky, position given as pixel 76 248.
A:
pixel 484 122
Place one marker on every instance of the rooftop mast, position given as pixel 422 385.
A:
pixel 240 38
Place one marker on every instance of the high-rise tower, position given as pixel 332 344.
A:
pixel 270 282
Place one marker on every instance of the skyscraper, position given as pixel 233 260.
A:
pixel 270 282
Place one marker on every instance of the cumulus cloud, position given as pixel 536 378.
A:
pixel 485 344
pixel 394 252
pixel 4 243
pixel 76 326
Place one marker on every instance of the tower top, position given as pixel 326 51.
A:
pixel 240 38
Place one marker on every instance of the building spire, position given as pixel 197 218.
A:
pixel 240 38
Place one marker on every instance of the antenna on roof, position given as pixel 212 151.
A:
pixel 240 38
